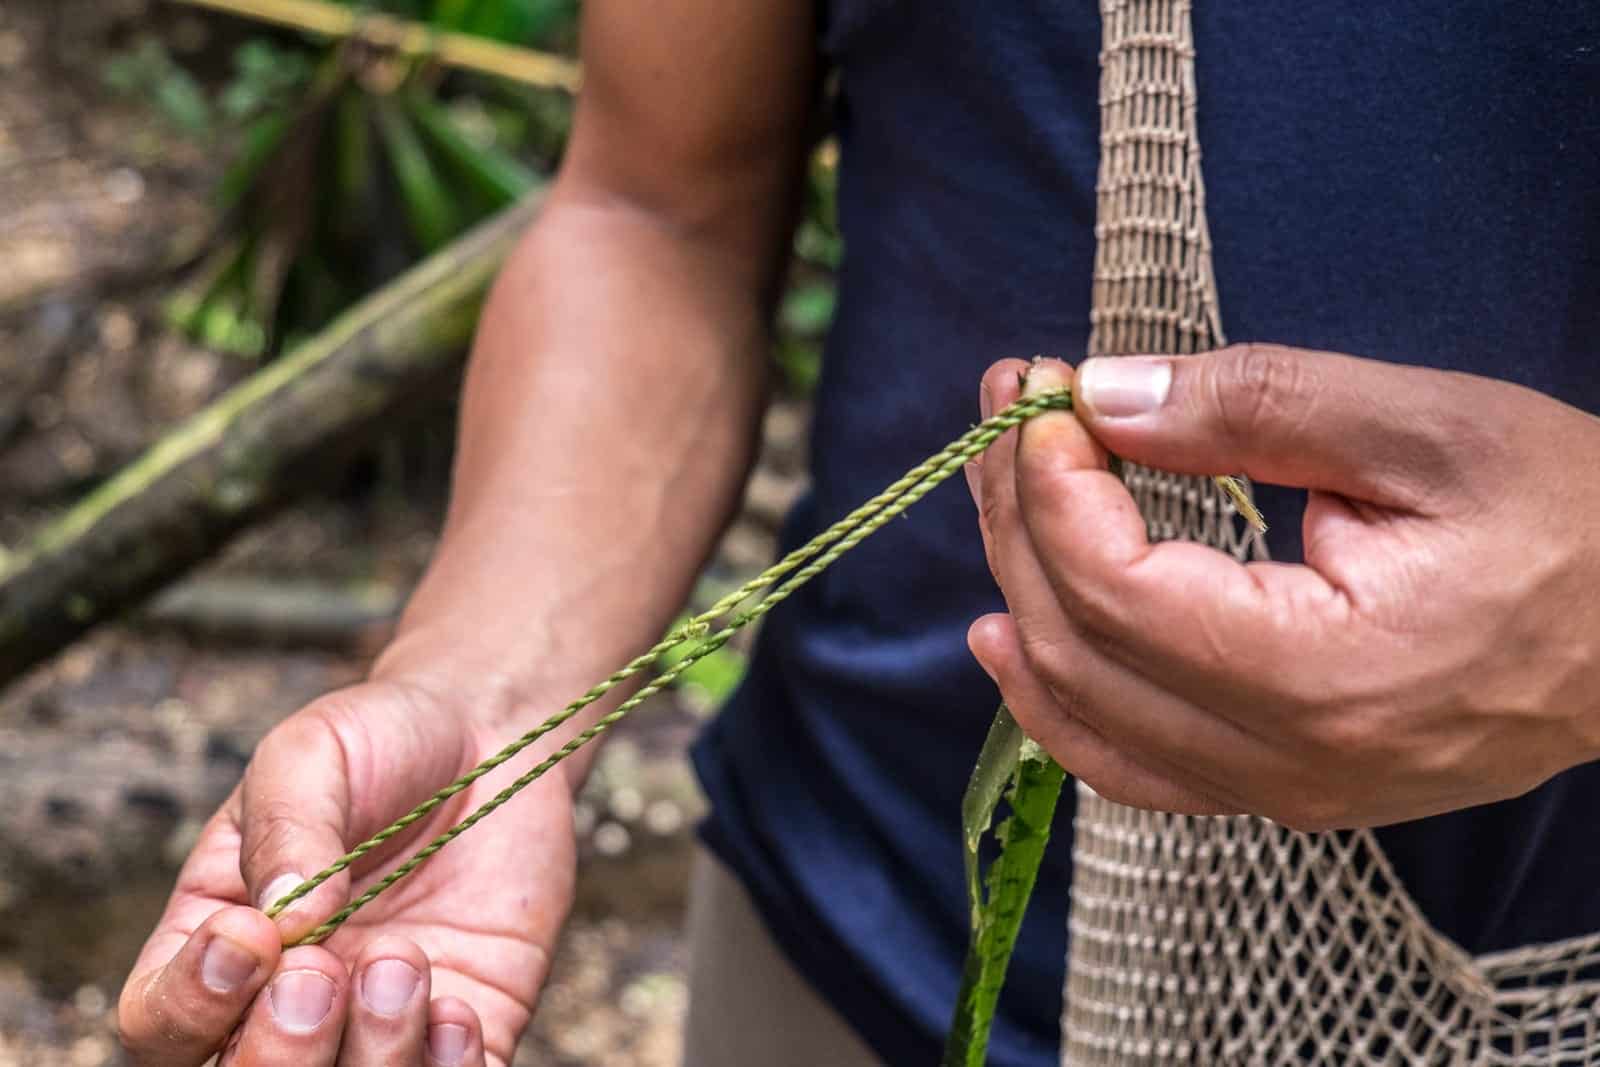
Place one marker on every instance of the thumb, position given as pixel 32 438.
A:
pixel 1373 431
pixel 188 992
pixel 294 819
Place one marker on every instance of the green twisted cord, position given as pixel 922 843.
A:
pixel 694 627
pixel 810 559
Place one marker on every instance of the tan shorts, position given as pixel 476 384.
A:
pixel 748 1007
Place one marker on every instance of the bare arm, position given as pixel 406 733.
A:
pixel 608 421
pixel 616 384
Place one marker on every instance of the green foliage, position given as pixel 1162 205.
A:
pixel 147 70
pixel 709 679
pixel 531 21
pixel 807 310
pixel 995 769
pixel 332 149
pixel 266 76
pixel 818 241
pixel 334 144
pixel 429 206
pixel 1031 782
pixel 494 176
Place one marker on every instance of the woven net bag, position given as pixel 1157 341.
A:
pixel 1234 940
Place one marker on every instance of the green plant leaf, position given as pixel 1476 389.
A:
pixel 818 246
pixel 149 71
pixel 1035 782
pixel 550 21
pixel 429 205
pixel 996 766
pixel 808 308
pixel 352 163
pixel 800 363
pixel 261 139
pixel 265 76
pixel 716 674
pixel 494 174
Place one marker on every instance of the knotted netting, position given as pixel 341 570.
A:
pixel 1233 940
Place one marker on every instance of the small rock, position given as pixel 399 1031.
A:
pixel 583 818
pixel 90 1001
pixel 612 839
pixel 91 1051
pixel 663 818
pixel 124 186
pixel 769 496
pixel 627 804
pixel 118 329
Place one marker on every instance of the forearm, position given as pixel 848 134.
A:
pixel 607 423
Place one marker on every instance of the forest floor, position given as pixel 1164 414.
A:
pixel 113 754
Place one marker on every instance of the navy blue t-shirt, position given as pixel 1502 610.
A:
pixel 1416 181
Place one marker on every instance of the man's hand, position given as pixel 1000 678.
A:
pixel 632 315
pixel 1439 648
pixel 441 970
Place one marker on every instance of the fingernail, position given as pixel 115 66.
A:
pixel 387 986
pixel 985 401
pixel 447 1043
pixel 226 965
pixel 974 482
pixel 277 889
pixel 1043 376
pixel 1124 386
pixel 301 1000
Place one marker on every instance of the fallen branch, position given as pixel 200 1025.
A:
pixel 264 611
pixel 462 51
pixel 249 451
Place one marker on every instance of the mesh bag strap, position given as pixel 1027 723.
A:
pixel 1153 287
pixel 1234 940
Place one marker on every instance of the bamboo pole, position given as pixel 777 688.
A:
pixel 250 451
pixel 463 51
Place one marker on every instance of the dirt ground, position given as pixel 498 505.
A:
pixel 113 754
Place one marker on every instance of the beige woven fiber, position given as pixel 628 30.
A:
pixel 1234 940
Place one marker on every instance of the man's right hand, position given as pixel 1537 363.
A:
pixel 441 970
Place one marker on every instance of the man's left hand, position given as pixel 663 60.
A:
pixel 1439 647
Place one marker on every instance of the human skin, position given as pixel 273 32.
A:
pixel 1439 648
pixel 608 421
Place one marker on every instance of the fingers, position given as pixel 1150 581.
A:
pixel 311 1011
pixel 389 1011
pixel 1003 379
pixel 1052 465
pixel 1038 610
pixel 1381 433
pixel 1178 607
pixel 455 1036
pixel 179 1013
pixel 299 1020
pixel 296 802
pixel 1078 747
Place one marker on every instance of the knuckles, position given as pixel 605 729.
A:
pixel 1339 734
pixel 1049 658
pixel 1256 385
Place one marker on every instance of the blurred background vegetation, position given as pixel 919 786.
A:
pixel 186 195
pixel 332 143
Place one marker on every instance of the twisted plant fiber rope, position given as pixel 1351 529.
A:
pixel 810 559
